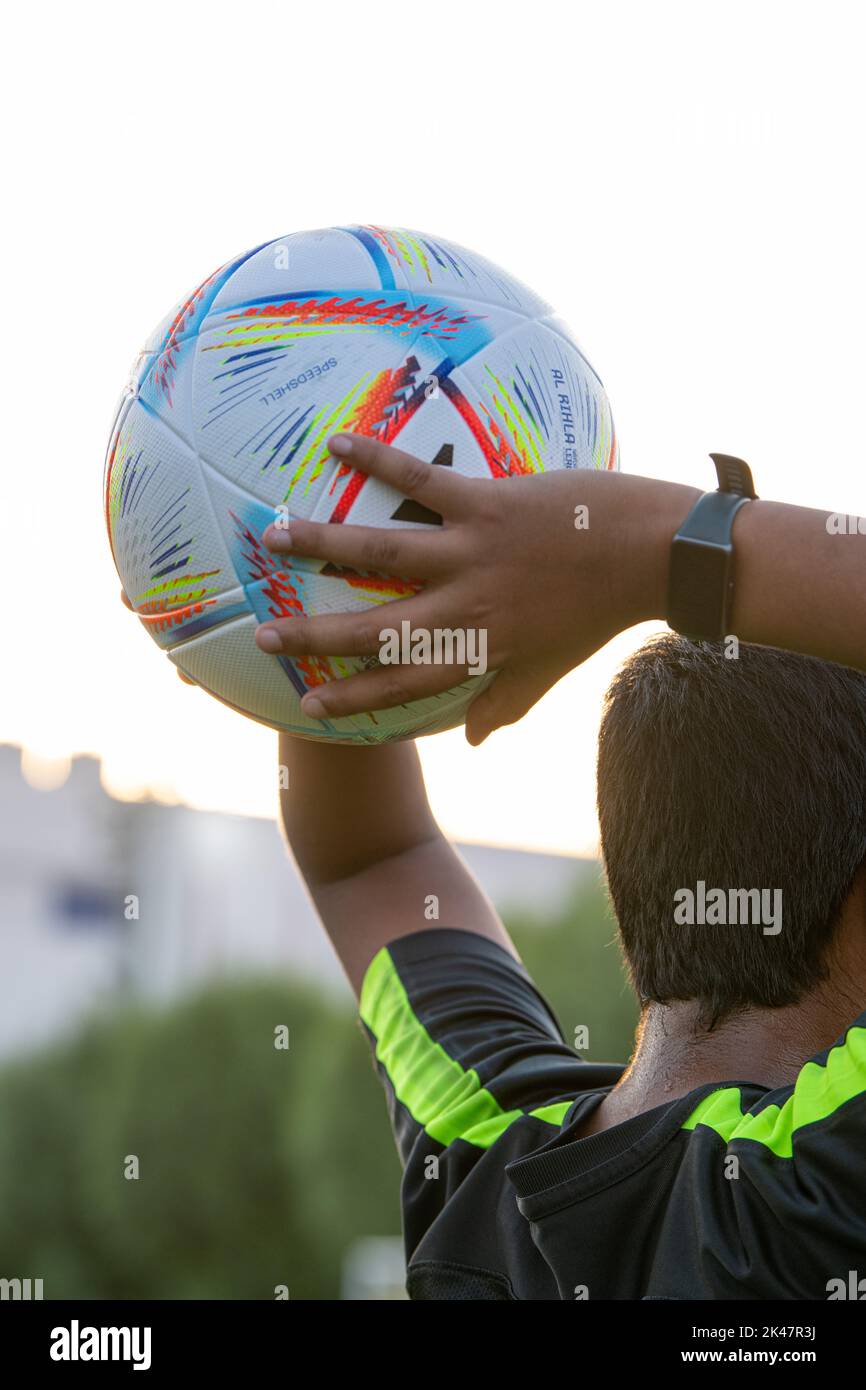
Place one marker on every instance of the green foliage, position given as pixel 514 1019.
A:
pixel 257 1166
pixel 576 961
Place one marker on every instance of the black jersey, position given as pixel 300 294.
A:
pixel 730 1192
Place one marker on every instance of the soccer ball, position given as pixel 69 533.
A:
pixel 224 425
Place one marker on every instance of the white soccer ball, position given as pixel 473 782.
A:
pixel 224 423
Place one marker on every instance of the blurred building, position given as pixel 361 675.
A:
pixel 102 899
pixel 374 1268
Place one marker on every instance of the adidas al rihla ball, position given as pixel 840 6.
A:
pixel 225 420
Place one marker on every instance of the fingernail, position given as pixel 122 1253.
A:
pixel 340 444
pixel 313 707
pixel 277 535
pixel 268 639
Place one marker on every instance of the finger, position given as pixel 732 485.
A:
pixel 418 554
pixel 187 680
pixel 508 697
pixel 346 634
pixel 124 599
pixel 385 688
pixel 440 489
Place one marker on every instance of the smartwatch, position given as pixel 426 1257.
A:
pixel 701 584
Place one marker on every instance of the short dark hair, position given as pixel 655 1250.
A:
pixel 743 773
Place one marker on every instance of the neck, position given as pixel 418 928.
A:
pixel 674 1055
pixel 766 1046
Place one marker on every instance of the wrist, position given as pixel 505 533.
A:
pixel 653 512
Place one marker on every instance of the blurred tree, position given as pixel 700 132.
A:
pixel 577 963
pixel 257 1166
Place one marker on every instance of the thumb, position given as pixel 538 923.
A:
pixel 505 700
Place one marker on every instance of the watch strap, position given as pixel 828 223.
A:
pixel 700 585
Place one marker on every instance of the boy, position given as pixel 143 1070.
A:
pixel 724 1161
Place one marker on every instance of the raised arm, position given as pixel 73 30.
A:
pixel 799 579
pixel 376 863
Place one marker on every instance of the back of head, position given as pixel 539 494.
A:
pixel 738 774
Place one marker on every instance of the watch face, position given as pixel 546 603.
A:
pixel 699 587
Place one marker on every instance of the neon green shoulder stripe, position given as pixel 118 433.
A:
pixel 445 1098
pixel 819 1091
pixel 721 1111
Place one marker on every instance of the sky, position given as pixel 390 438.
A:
pixel 684 182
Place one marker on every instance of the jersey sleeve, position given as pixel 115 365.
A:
pixel 476 1073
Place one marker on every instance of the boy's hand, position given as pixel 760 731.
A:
pixel 550 565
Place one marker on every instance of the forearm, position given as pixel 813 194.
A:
pixel 549 567
pixel 376 863
pixel 345 808
pixel 796 585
